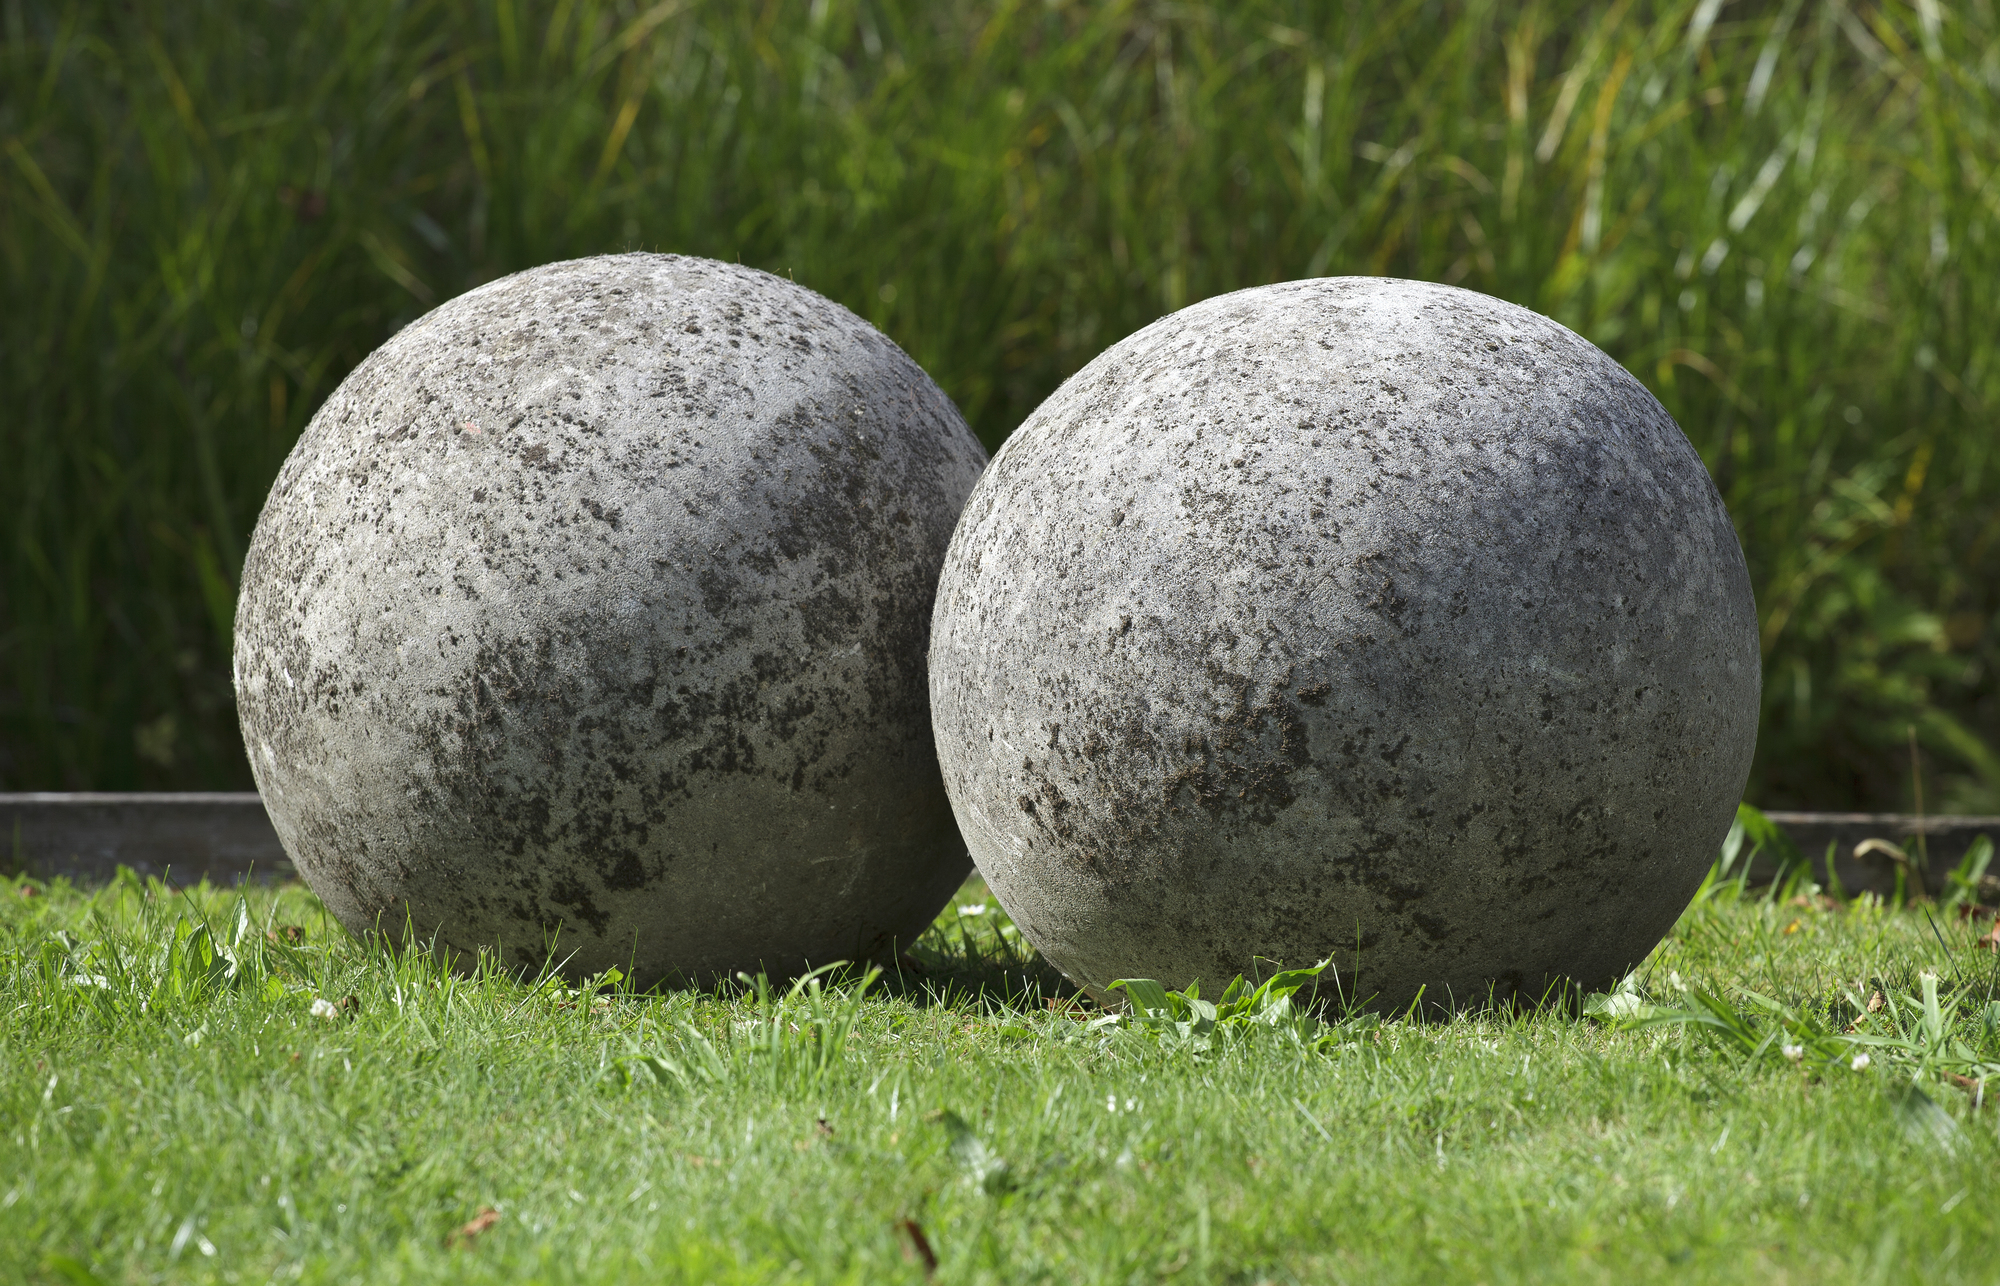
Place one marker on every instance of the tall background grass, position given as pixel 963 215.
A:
pixel 1778 215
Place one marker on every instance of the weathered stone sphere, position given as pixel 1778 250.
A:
pixel 1357 618
pixel 587 622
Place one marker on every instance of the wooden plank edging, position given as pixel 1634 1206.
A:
pixel 227 838
pixel 1932 845
pixel 224 838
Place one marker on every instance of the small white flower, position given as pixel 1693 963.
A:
pixel 1860 1063
pixel 1111 1102
pixel 323 1008
pixel 1674 980
pixel 977 908
pixel 1793 1052
pixel 1131 1104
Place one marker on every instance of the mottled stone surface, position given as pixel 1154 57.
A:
pixel 597 599
pixel 1346 616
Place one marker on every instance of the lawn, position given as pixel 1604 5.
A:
pixel 207 1086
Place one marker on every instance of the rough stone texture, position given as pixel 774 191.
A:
pixel 1346 616
pixel 598 598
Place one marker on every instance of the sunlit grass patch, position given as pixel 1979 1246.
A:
pixel 211 1086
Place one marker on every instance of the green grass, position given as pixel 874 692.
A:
pixel 171 1109
pixel 1778 214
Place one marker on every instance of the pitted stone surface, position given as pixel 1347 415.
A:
pixel 1356 618
pixel 596 601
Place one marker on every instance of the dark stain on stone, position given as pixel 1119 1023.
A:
pixel 1245 766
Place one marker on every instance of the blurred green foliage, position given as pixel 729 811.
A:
pixel 1777 214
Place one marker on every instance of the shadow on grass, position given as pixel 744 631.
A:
pixel 973 961
pixel 959 971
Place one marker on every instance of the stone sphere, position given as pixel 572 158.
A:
pixel 587 623
pixel 1350 618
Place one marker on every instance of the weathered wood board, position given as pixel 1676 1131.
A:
pixel 223 838
pixel 1933 846
pixel 227 838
